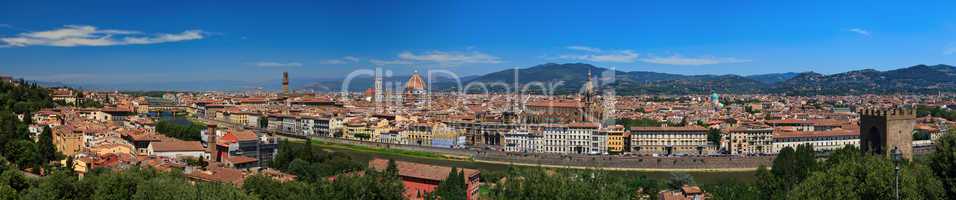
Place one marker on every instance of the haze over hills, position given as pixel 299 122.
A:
pixel 569 78
pixel 915 79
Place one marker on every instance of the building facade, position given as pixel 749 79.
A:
pixel 748 141
pixel 669 140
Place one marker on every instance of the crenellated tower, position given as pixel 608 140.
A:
pixel 881 130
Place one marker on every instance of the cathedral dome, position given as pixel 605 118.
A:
pixel 415 83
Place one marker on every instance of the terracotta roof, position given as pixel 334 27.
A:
pixel 584 125
pixel 219 174
pixel 555 103
pixel 671 128
pixel 668 195
pixel 170 146
pixel 691 190
pixel 240 159
pixel 798 134
pixel 246 135
pixel 415 82
pixel 232 137
pixel 787 121
pixel 253 100
pixel 417 170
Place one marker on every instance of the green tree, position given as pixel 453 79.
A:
pixel 713 136
pixel 943 161
pixel 190 132
pixel 263 122
pixel 220 191
pixel 22 152
pixel 869 177
pixel 7 192
pixel 164 188
pixel 47 149
pixel 120 185
pixel 679 179
pixel 14 179
pixel 284 155
pixel 303 169
pixel 62 185
pixel 453 187
pixel 536 183
pixel 37 193
pixel 730 190
pixel 806 162
pixel 373 185
pixel 264 187
pixel 392 168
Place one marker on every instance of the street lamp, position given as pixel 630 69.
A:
pixel 897 157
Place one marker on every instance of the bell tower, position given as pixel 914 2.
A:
pixel 883 129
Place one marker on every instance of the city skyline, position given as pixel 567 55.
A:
pixel 119 42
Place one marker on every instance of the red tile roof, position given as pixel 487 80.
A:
pixel 219 174
pixel 555 103
pixel 240 159
pixel 671 128
pixel 798 134
pixel 417 170
pixel 176 146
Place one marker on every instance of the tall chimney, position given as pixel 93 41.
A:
pixel 285 83
pixel 211 142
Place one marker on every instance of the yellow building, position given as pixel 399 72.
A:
pixel 382 127
pixel 67 140
pixel 417 134
pixel 357 130
pixel 446 137
pixel 615 139
pixel 112 149
pixel 240 117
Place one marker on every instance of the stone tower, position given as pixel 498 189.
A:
pixel 285 83
pixel 883 129
pixel 211 143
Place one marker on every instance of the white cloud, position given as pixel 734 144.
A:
pixel 584 48
pixel 278 64
pixel 338 61
pixel 949 50
pixel 85 35
pixel 86 78
pixel 624 56
pixel 860 31
pixel 443 58
pixel 680 60
pixel 389 62
pixel 450 58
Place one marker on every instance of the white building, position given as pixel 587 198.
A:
pixel 252 121
pixel 821 140
pixel 598 143
pixel 570 139
pixel 670 140
pixel 522 141
pixel 744 141
pixel 176 149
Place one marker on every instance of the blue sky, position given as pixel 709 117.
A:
pixel 156 41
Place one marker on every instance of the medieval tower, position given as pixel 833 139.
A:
pixel 285 83
pixel 883 130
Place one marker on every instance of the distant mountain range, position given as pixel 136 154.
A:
pixel 569 78
pixel 915 79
